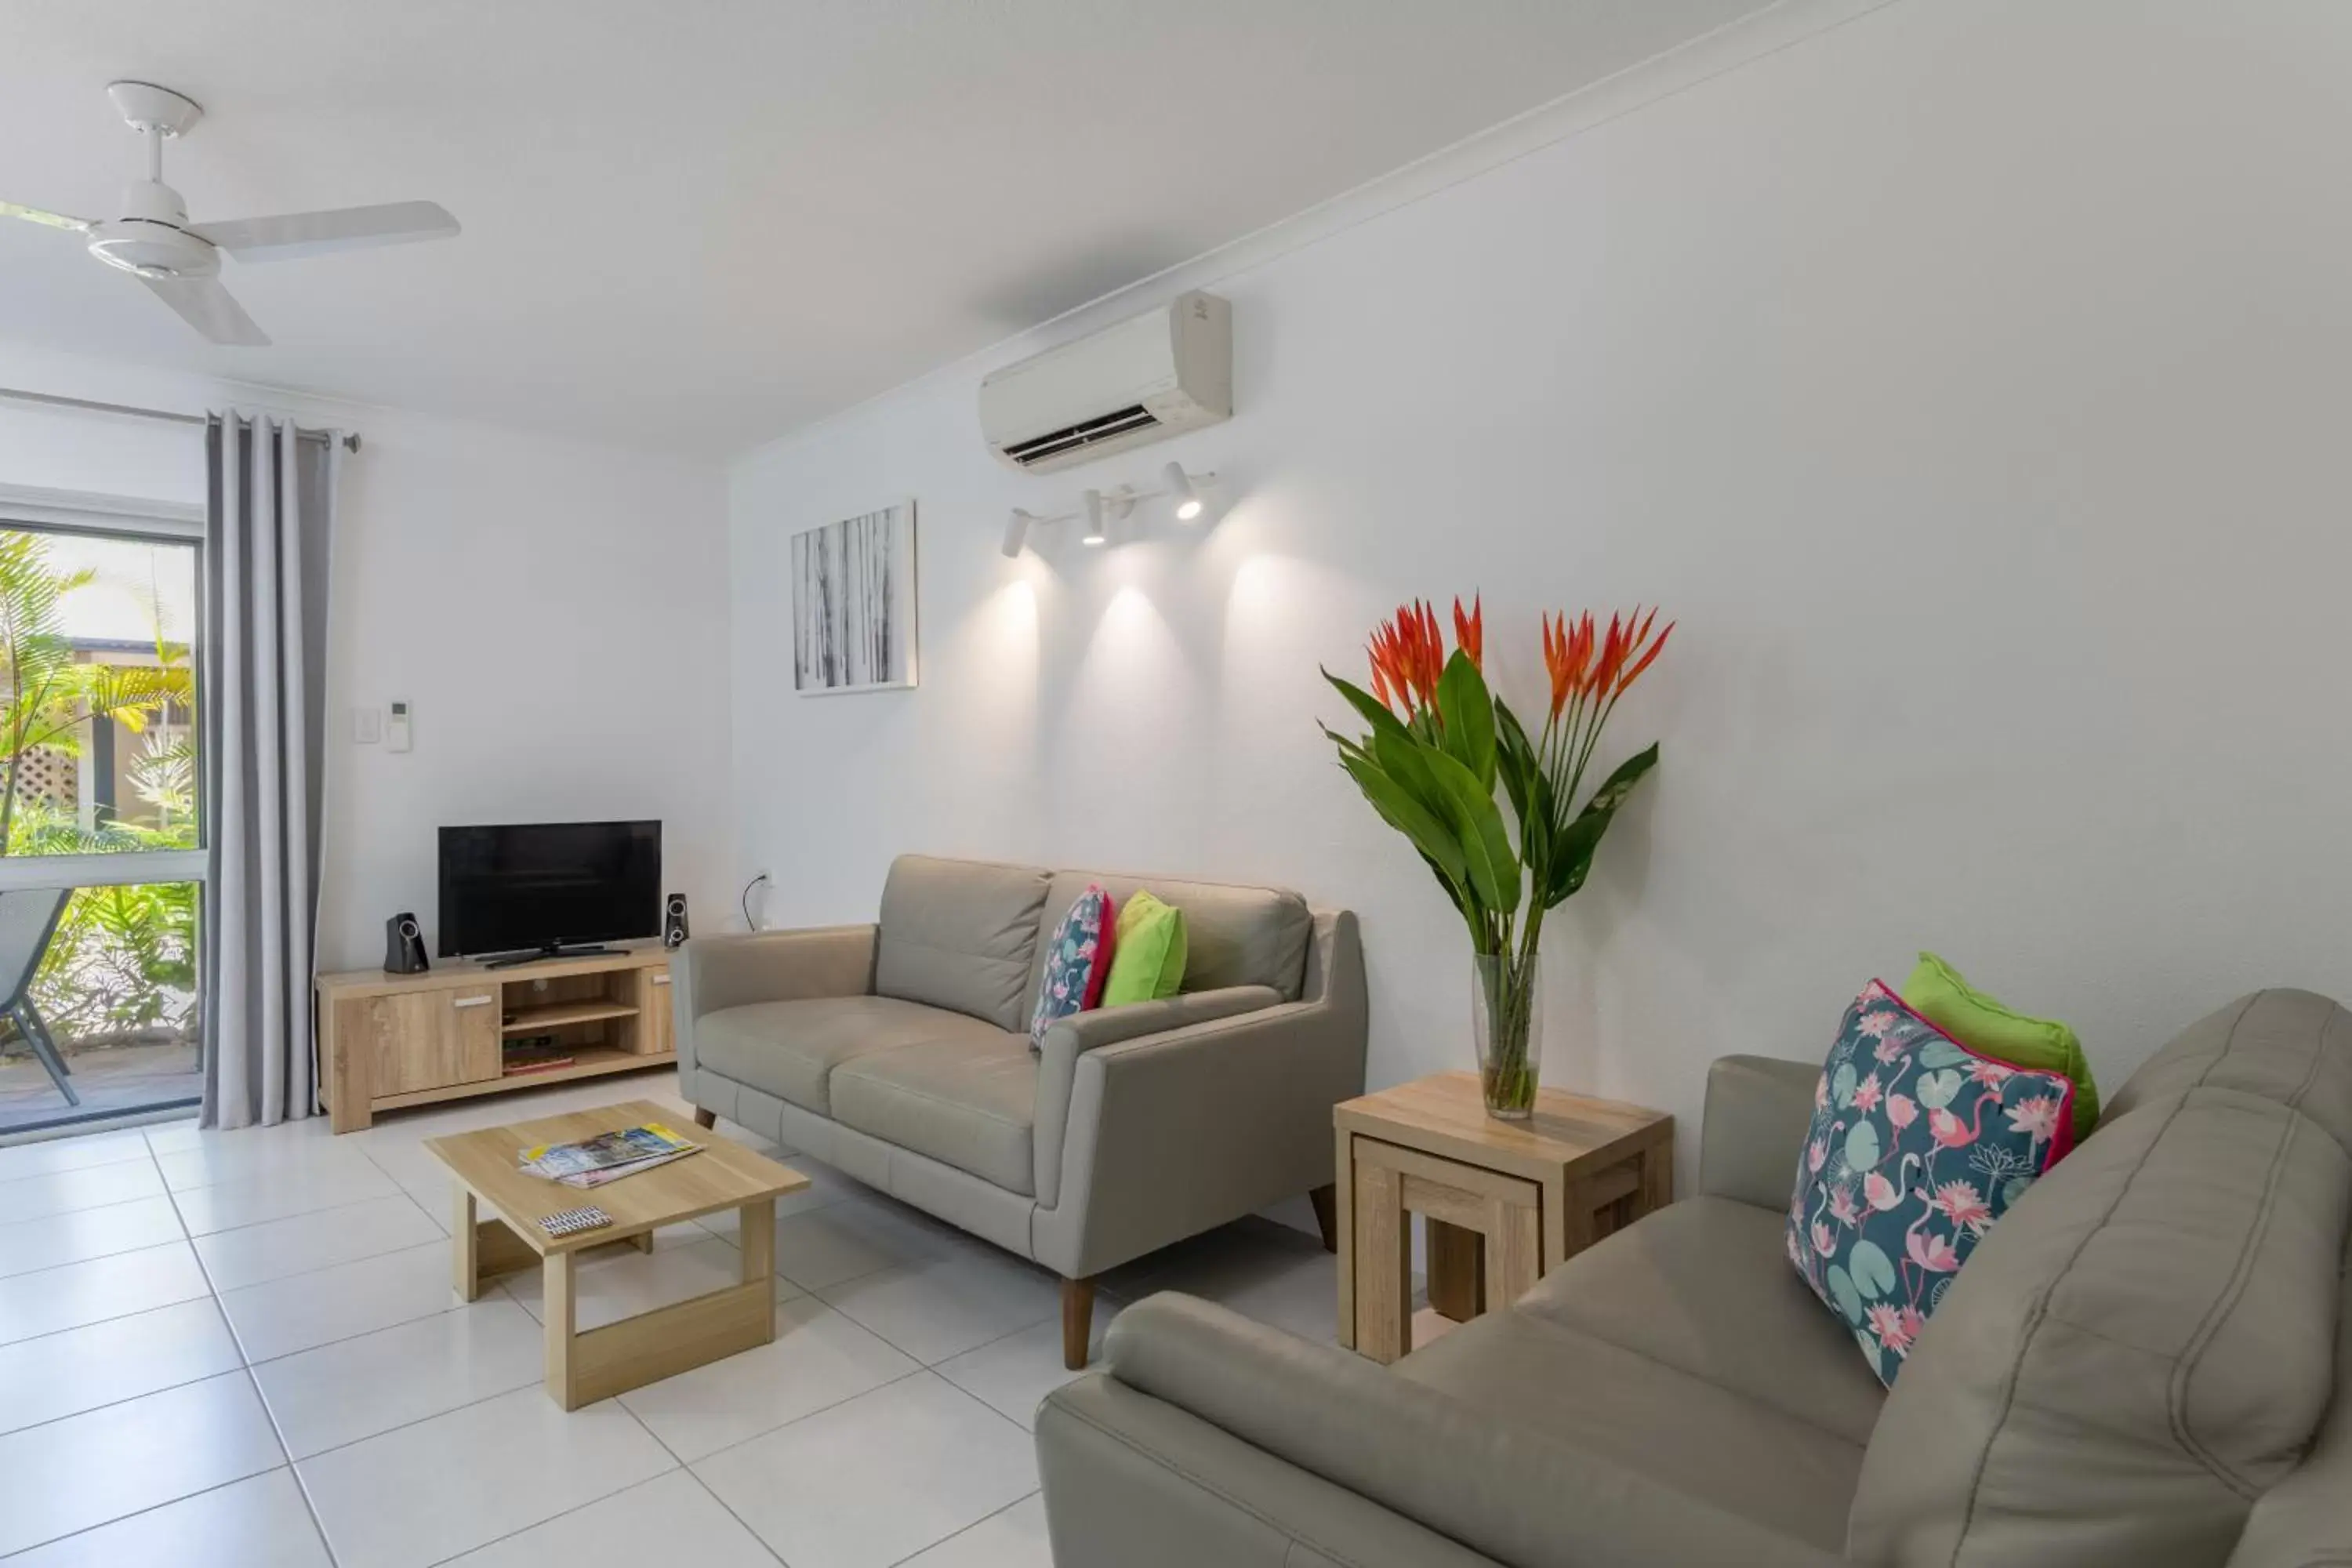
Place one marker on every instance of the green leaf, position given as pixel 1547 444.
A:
pixel 1848 1299
pixel 1942 1054
pixel 1435 839
pixel 1571 859
pixel 1862 1149
pixel 1873 1271
pixel 1619 784
pixel 1372 709
pixel 1514 761
pixel 1468 710
pixel 1937 1090
pixel 1478 824
pixel 1841 1084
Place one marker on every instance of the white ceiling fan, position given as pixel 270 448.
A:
pixel 179 261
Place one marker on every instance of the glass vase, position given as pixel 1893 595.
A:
pixel 1506 1024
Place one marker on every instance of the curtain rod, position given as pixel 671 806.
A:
pixel 350 441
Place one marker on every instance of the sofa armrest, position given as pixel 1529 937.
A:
pixel 710 973
pixel 1072 1038
pixel 1758 1109
pixel 1168 1134
pixel 1512 1493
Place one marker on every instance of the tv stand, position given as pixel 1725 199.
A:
pixel 387 1041
pixel 548 954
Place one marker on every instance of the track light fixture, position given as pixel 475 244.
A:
pixel 1180 487
pixel 1097 507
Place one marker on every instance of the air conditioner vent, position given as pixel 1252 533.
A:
pixel 1055 442
pixel 1144 379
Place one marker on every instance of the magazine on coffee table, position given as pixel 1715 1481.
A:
pixel 606 1157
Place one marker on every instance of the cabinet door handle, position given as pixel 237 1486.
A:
pixel 471 1002
pixel 661 979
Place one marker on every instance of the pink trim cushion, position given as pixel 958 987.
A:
pixel 1918 1145
pixel 1078 963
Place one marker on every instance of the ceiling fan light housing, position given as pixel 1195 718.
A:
pixel 149 249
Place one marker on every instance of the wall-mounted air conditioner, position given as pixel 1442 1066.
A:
pixel 1159 374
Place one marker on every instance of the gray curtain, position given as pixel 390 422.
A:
pixel 260 721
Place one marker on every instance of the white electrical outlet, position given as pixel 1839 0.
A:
pixel 395 729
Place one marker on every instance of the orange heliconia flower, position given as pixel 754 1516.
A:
pixel 1407 655
pixel 1585 662
pixel 1470 630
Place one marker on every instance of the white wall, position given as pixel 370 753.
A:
pixel 1969 380
pixel 555 611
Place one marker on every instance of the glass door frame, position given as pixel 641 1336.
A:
pixel 90 516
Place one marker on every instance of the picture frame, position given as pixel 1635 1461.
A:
pixel 853 603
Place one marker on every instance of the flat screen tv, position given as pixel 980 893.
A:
pixel 545 888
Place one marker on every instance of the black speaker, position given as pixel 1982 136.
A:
pixel 673 919
pixel 403 946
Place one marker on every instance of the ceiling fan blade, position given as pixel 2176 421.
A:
pixel 54 220
pixel 292 235
pixel 211 310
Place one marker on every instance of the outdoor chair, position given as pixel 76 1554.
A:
pixel 28 919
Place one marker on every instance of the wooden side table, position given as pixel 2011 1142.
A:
pixel 1504 1203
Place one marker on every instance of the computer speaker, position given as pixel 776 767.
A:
pixel 403 946
pixel 673 919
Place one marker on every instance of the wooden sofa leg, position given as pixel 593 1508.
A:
pixel 705 1118
pixel 1326 1199
pixel 1077 1321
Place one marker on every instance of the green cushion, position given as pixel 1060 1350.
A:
pixel 1146 963
pixel 1937 993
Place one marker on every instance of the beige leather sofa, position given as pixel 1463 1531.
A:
pixel 2147 1363
pixel 899 1052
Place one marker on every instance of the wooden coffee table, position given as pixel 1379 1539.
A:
pixel 583 1367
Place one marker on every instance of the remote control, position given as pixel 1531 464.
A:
pixel 571 1222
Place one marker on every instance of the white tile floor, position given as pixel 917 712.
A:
pixel 241 1349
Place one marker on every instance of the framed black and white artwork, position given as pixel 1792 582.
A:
pixel 854 603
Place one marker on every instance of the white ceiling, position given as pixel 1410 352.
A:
pixel 697 224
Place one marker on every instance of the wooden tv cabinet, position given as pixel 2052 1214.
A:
pixel 391 1040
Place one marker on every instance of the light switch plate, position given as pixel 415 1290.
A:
pixel 367 726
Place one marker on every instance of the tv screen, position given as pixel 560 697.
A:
pixel 548 884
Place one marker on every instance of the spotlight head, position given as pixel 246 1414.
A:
pixel 1179 486
pixel 1090 511
pixel 1017 532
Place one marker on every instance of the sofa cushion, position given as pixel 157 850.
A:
pixel 1989 1026
pixel 790 1049
pixel 1077 960
pixel 967 1101
pixel 2291 1046
pixel 2145 1345
pixel 1234 935
pixel 1917 1147
pixel 1702 1286
pixel 1729 1450
pixel 961 934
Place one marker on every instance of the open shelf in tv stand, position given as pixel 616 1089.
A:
pixel 387 1041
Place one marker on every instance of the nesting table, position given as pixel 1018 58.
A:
pixel 585 1366
pixel 1504 1203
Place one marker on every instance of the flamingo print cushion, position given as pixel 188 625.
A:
pixel 1917 1146
pixel 1078 963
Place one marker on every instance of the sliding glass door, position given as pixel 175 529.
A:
pixel 102 861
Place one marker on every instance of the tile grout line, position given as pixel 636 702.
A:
pixel 151 1507
pixel 212 1301
pixel 277 1432
pixel 968 1529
